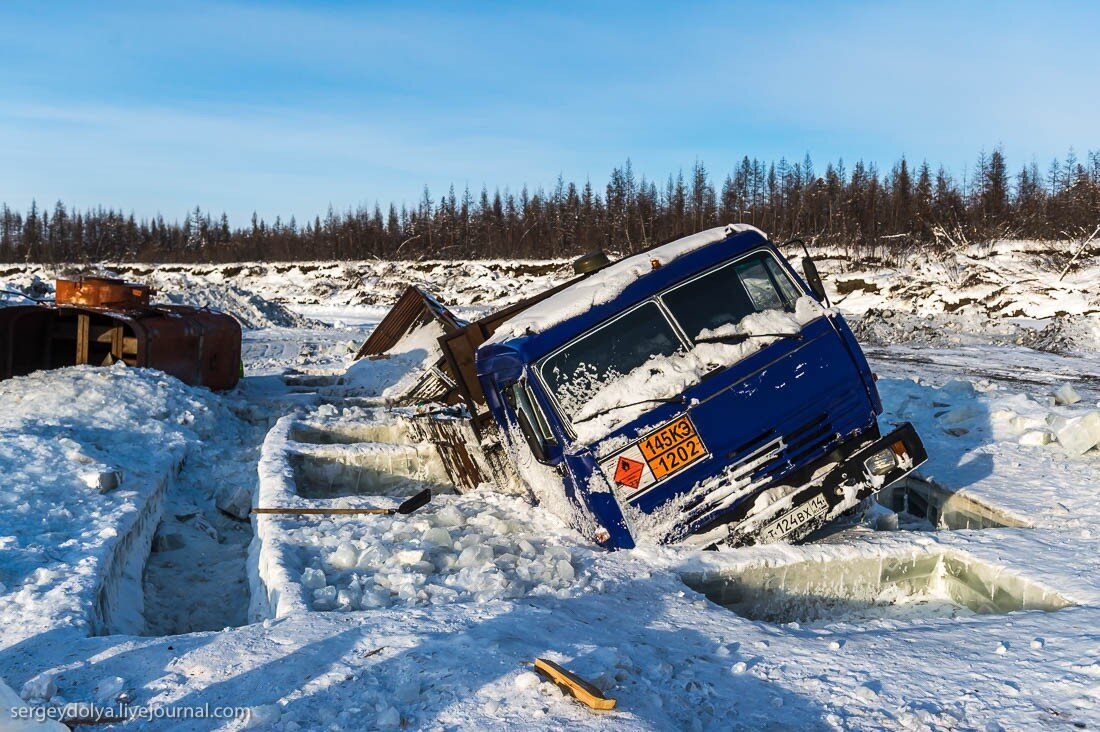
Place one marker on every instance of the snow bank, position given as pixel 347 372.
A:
pixel 1061 333
pixel 70 555
pixel 1005 279
pixel 274 589
pixel 1005 292
pixel 251 309
pixel 349 292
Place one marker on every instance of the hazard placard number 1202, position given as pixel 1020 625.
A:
pixel 672 447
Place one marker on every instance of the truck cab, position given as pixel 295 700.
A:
pixel 699 392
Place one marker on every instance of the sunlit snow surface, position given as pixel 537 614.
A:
pixel 443 646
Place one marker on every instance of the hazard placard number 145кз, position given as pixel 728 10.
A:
pixel 672 447
pixel 663 452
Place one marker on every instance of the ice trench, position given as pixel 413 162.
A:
pixel 195 577
pixel 924 501
pixel 188 563
pixel 182 566
pixel 924 583
pixel 316 462
pixel 193 566
pixel 916 504
pixel 366 459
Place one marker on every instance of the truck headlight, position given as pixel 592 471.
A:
pixel 881 463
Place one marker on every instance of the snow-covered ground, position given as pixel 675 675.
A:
pixel 428 621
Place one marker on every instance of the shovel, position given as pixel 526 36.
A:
pixel 411 504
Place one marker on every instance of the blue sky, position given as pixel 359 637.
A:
pixel 288 107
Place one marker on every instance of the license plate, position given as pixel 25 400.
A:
pixel 672 448
pixel 788 522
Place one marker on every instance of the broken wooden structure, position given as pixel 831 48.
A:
pixel 452 379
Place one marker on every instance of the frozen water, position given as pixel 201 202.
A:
pixel 1036 437
pixel 345 557
pixel 470 548
pixel 264 716
pixel 1081 434
pixel 41 687
pixel 372 469
pixel 348 433
pixel 438 537
pixel 313 579
pixel 939 584
pixel 1066 394
pixel 236 500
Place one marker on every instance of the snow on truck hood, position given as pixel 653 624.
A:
pixel 607 284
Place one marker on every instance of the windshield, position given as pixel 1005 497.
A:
pixel 725 314
pixel 575 373
pixel 725 295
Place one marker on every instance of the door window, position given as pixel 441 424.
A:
pixel 575 373
pixel 727 294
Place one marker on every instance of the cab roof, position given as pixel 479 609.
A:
pixel 574 310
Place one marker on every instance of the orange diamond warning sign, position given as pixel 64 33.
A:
pixel 628 472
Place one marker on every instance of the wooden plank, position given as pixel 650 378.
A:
pixel 451 445
pixel 83 323
pixel 101 333
pixel 117 342
pixel 574 685
pixel 459 350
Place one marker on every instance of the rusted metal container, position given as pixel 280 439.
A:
pixel 198 346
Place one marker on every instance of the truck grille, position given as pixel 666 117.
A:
pixel 771 456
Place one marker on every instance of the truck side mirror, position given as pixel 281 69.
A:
pixel 809 268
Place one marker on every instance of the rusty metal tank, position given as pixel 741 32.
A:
pixel 98 322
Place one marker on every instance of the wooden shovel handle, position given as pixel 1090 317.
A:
pixel 326 511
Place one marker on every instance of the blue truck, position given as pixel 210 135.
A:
pixel 698 392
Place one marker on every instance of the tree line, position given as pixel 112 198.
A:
pixel 862 208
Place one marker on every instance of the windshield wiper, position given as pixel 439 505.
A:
pixel 669 400
pixel 740 337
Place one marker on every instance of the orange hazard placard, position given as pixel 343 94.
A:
pixel 673 447
pixel 628 472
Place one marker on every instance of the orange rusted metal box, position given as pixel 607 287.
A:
pixel 102 292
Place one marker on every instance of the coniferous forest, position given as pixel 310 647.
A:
pixel 866 210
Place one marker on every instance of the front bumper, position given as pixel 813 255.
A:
pixel 842 488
